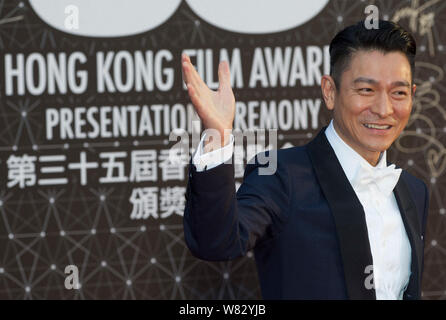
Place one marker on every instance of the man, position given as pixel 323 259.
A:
pixel 334 221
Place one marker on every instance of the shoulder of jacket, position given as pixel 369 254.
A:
pixel 413 180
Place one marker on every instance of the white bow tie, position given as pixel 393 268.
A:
pixel 368 178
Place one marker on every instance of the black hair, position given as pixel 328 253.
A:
pixel 388 37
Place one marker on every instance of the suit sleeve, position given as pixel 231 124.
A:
pixel 426 209
pixel 425 215
pixel 220 224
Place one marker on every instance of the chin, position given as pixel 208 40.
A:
pixel 380 147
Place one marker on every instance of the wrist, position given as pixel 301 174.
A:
pixel 210 143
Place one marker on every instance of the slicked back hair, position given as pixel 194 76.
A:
pixel 389 37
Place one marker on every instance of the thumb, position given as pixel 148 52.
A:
pixel 224 77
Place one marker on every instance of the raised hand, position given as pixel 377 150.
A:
pixel 216 109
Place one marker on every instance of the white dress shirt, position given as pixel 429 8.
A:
pixel 212 159
pixel 390 247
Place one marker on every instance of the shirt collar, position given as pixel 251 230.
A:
pixel 348 158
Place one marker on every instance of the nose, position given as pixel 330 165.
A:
pixel 383 106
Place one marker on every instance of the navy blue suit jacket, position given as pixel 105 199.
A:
pixel 305 224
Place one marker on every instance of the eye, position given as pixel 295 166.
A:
pixel 400 94
pixel 365 90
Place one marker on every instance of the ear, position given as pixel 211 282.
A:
pixel 328 88
pixel 414 88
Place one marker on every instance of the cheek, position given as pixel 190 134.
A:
pixel 355 107
pixel 361 106
pixel 402 112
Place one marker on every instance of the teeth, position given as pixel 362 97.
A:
pixel 375 126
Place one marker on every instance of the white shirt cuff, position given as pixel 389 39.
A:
pixel 213 158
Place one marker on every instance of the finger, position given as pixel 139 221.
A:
pixel 186 58
pixel 185 61
pixel 192 73
pixel 194 89
pixel 224 76
pixel 182 69
pixel 195 99
pixel 184 72
pixel 189 76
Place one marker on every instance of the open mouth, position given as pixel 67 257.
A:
pixel 376 126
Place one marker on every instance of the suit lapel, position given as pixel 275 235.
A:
pixel 348 214
pixel 413 230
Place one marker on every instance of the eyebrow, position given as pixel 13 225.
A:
pixel 375 82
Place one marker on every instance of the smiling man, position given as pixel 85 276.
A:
pixel 335 220
pixel 374 100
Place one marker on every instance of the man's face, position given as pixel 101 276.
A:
pixel 374 101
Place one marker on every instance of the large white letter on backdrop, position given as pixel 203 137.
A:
pixel 117 18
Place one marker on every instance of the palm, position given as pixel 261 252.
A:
pixel 216 109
